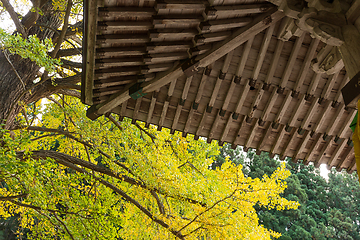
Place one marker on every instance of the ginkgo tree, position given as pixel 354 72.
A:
pixel 68 177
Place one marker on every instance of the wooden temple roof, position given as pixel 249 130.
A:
pixel 226 70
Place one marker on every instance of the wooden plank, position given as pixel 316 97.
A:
pixel 180 4
pixel 121 38
pixel 123 26
pixel 176 118
pixel 238 9
pixel 228 95
pixel 188 121
pixel 335 155
pixel 291 62
pixel 176 19
pixel 264 46
pixel 304 70
pixel 119 51
pixel 186 88
pixel 168 46
pixel 317 161
pixel 123 110
pixel 301 147
pixel 119 62
pixel 275 61
pixel 172 33
pixel 211 37
pixel 221 24
pixel 214 126
pixel 126 12
pixel 225 132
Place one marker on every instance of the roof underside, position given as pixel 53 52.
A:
pixel 259 92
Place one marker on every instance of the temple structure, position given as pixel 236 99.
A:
pixel 261 74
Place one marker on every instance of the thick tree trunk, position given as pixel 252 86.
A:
pixel 11 87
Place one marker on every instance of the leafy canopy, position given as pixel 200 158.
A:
pixel 66 176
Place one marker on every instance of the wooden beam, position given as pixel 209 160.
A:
pixel 262 142
pixel 314 146
pixel 227 128
pixel 136 110
pixel 335 119
pixel 346 124
pixel 171 33
pixel 328 86
pixel 221 24
pixel 220 78
pixel 211 37
pixel 190 67
pixel 278 139
pixel 264 46
pixel 239 36
pixel 123 111
pixel 323 116
pixel 349 153
pixel 176 19
pixel 238 135
pixel 283 108
pixel 242 9
pixel 291 62
pixel 275 61
pixel 168 46
pixel 352 167
pixel 151 108
pixel 314 82
pixel 309 114
pixel 301 147
pixel 228 96
pixel 242 98
pixel 353 12
pixel 102 40
pixel 166 104
pixel 119 51
pixel 244 58
pixel 268 107
pixel 288 144
pixel 317 161
pixel 335 155
pixel 90 17
pixel 180 4
pixel 295 113
pixel 306 64
pixel 105 12
pixel 250 138
pixel 254 105
pixel 338 96
pixel 104 26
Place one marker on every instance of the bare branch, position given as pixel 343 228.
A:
pixel 70 64
pixel 158 201
pixel 66 228
pixel 14 17
pixel 63 32
pixel 117 124
pixel 3 198
pixel 69 52
pixel 146 132
pixel 69 92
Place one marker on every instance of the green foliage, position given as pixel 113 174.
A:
pixel 31 48
pixel 329 209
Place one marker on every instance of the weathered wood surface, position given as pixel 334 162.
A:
pixel 218 70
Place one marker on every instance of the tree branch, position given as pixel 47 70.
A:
pixel 158 201
pixel 63 32
pixel 69 52
pixel 13 197
pixel 14 17
pixel 70 92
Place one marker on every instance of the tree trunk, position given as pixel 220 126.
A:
pixel 12 95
